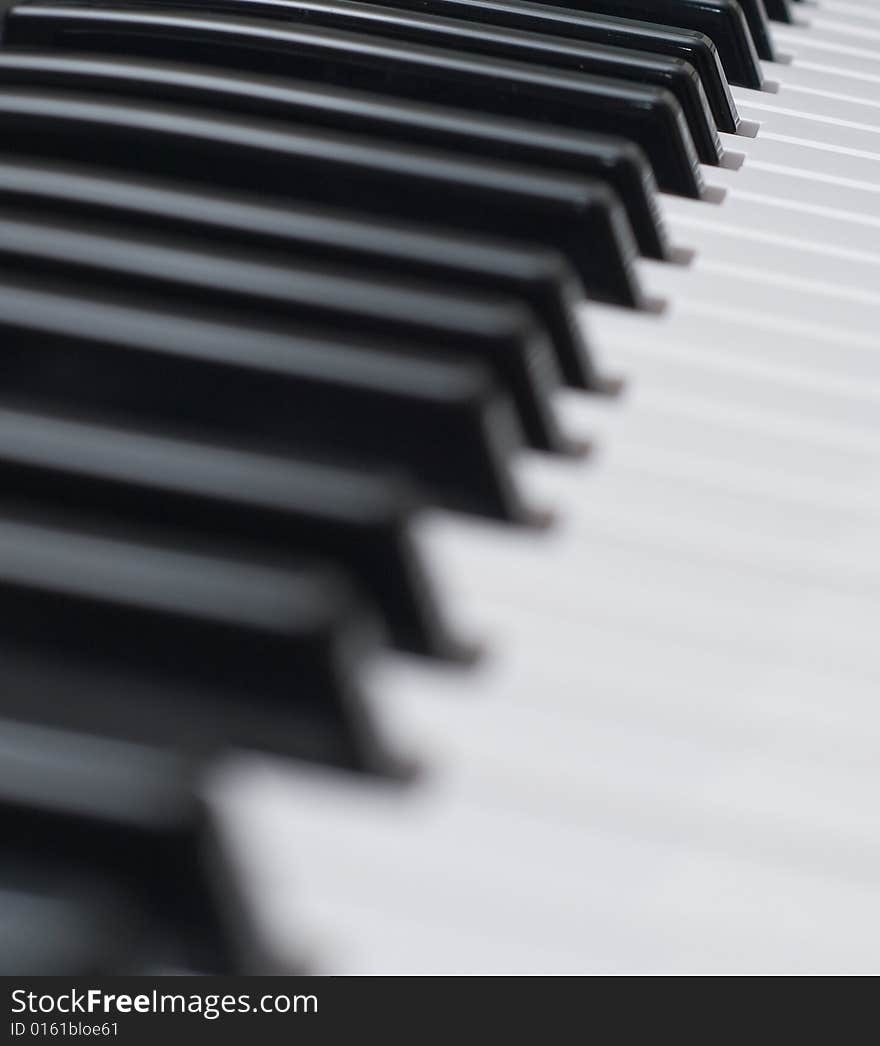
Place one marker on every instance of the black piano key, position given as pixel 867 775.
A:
pixel 579 217
pixel 273 507
pixel 724 15
pixel 649 116
pixel 540 278
pixel 112 863
pixel 542 49
pixel 499 333
pixel 723 21
pixel 618 163
pixel 755 12
pixel 689 46
pixel 105 633
pixel 55 928
pixel 137 361
pixel 778 10
pixel 475 37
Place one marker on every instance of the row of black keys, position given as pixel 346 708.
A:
pixel 273 274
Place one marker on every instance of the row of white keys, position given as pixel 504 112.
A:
pixel 668 762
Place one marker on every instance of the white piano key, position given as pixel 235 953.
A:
pixel 846 9
pixel 774 215
pixel 824 132
pixel 856 164
pixel 846 316
pixel 806 103
pixel 843 8
pixel 833 48
pixel 827 28
pixel 826 72
pixel 593 898
pixel 856 196
pixel 800 252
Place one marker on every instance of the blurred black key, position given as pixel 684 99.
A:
pixel 496 332
pixel 723 21
pixel 649 116
pixel 778 10
pixel 475 37
pixel 689 46
pixel 180 371
pixel 156 645
pixel 110 863
pixel 542 279
pixel 206 492
pixel 618 163
pixel 578 217
pixel 52 927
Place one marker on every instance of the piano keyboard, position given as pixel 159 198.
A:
pixel 440 460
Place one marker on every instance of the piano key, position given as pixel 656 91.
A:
pixel 210 493
pixel 846 8
pixel 834 53
pixel 298 395
pixel 817 122
pixel 751 211
pixel 475 37
pixel 833 34
pixel 757 17
pixel 113 850
pixel 723 21
pixel 497 333
pixel 721 18
pixel 431 805
pixel 853 267
pixel 541 278
pixel 853 155
pixel 820 104
pixel 842 80
pixel 423 823
pixel 808 402
pixel 648 115
pixel 846 12
pixel 694 48
pixel 150 643
pixel 779 10
pixel 806 189
pixel 613 161
pixel 579 217
pixel 61 931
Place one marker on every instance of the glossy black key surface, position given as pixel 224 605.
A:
pixel 540 278
pixel 692 47
pixel 723 21
pixel 106 633
pixel 138 361
pixel 496 332
pixel 650 116
pixel 616 162
pixel 756 16
pixel 110 863
pixel 206 493
pixel 579 217
pixel 602 60
pixel 723 14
